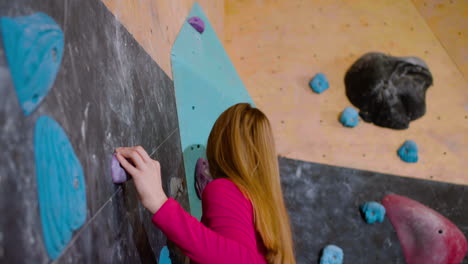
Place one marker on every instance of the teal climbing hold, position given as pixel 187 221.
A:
pixel 164 256
pixel 373 212
pixel 319 83
pixel 408 152
pixel 60 183
pixel 349 117
pixel 33 47
pixel 332 255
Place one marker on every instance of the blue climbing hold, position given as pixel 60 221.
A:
pixel 349 117
pixel 372 212
pixel 332 255
pixel 408 152
pixel 319 83
pixel 33 47
pixel 60 183
pixel 164 256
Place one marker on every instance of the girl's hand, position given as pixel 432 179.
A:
pixel 146 174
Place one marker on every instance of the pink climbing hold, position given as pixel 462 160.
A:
pixel 197 23
pixel 202 176
pixel 426 236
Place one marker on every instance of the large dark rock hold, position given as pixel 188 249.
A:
pixel 389 91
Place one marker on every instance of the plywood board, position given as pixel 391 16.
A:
pixel 156 23
pixel 448 19
pixel 277 46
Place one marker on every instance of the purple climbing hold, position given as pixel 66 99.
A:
pixel 119 175
pixel 202 176
pixel 197 23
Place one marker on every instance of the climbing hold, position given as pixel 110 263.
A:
pixel 408 152
pixel 425 235
pixel 372 212
pixel 33 48
pixel 60 183
pixel 197 23
pixel 202 176
pixel 389 91
pixel 119 175
pixel 349 117
pixel 319 83
pixel 332 255
pixel 164 256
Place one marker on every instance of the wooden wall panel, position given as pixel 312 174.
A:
pixel 448 20
pixel 277 46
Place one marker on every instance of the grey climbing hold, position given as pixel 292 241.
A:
pixel 373 212
pixel 389 91
pixel 197 23
pixel 408 152
pixel 349 117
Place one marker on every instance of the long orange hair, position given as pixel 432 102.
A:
pixel 241 148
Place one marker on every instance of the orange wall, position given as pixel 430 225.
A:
pixel 448 20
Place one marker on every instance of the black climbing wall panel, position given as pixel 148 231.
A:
pixel 323 203
pixel 108 93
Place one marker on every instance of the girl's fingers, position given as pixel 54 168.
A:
pixel 131 154
pixel 144 155
pixel 126 165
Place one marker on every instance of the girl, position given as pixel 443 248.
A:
pixel 244 217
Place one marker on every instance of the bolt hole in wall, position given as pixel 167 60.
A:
pixel 54 54
pixel 35 97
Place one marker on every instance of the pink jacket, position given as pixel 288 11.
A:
pixel 226 233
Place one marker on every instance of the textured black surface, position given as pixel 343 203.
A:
pixel 108 93
pixel 389 91
pixel 323 203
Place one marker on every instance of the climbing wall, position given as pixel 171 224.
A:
pixel 114 87
pixel 327 170
pixel 57 199
pixel 207 82
pixel 278 46
pixel 323 203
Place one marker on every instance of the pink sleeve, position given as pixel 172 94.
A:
pixel 231 238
